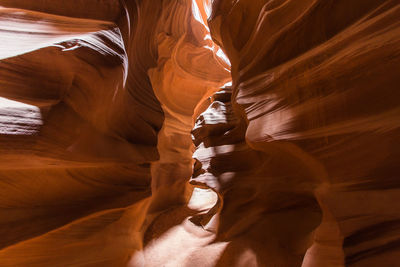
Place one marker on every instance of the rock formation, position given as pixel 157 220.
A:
pixel 315 82
pixel 122 141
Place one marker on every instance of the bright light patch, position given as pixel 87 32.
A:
pixel 197 14
pixel 207 8
pixel 222 55
pixel 202 199
pixel 18 118
pixel 227 84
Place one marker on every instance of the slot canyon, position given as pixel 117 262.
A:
pixel 200 133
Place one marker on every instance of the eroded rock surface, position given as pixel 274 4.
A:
pixel 315 82
pixel 86 88
pixel 295 163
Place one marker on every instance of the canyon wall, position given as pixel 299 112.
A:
pixel 188 70
pixel 96 104
pixel 122 141
pixel 314 172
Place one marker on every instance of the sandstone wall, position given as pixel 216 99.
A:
pixel 315 83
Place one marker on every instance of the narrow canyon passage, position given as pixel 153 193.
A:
pixel 208 133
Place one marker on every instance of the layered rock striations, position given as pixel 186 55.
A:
pixel 188 70
pixel 292 164
pixel 261 193
pixel 86 88
pixel 76 179
pixel 316 84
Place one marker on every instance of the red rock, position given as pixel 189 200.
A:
pixel 122 142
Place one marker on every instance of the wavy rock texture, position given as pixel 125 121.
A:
pixel 80 122
pixel 188 71
pixel 295 163
pixel 315 83
pixel 261 194
pixel 75 176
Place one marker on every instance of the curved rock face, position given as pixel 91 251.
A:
pixel 294 163
pixel 188 70
pixel 85 89
pixel 315 82
pixel 261 192
pixel 79 129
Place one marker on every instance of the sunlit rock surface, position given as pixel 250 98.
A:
pixel 316 83
pixel 123 142
pixel 261 193
pixel 188 70
pixel 85 89
pixel 79 129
